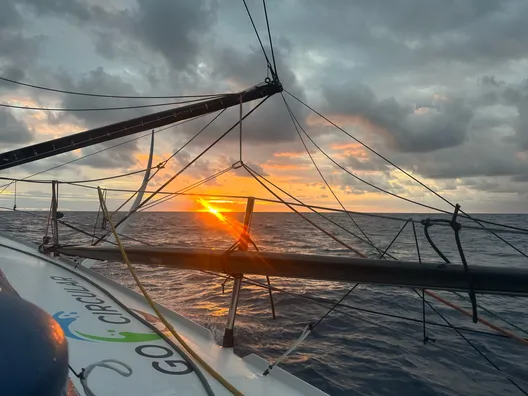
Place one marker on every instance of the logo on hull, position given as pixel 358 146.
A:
pixel 67 321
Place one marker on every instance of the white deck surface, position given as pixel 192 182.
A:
pixel 98 328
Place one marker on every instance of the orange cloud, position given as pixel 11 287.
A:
pixel 288 154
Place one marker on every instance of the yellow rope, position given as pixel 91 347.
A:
pixel 202 362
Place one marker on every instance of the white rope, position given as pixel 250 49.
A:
pixel 103 363
pixel 306 332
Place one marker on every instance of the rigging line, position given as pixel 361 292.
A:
pixel 425 337
pixel 324 302
pixel 295 122
pixel 387 217
pixel 190 187
pixel 191 162
pixel 370 149
pixel 196 135
pixel 373 185
pixel 101 95
pixel 159 166
pixel 377 323
pixel 250 171
pixel 479 319
pixel 204 151
pixel 260 41
pixel 498 236
pixel 396 166
pixel 102 150
pixel 306 332
pixel 160 315
pixel 394 239
pixel 455 225
pixel 300 203
pixel 490 312
pixel 58 109
pixel 473 346
pixel 134 194
pixel 6 208
pixel 163 163
pixel 334 306
pixel 80 230
pixel 270 40
pixel 95 224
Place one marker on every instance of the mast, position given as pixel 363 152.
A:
pixel 125 128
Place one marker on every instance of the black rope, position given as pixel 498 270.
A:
pixel 478 221
pixel 425 337
pixel 427 223
pixel 324 302
pixel 96 221
pixel 312 327
pixel 100 151
pixel 456 228
pixel 394 165
pixel 145 201
pixel 92 235
pixel 14 204
pixel 270 40
pixel 182 191
pixel 473 346
pixel 260 41
pixel 298 125
pixel 79 375
pixel 394 239
pixel 254 174
pixel 371 184
pixel 99 109
pixel 100 95
pixel 490 312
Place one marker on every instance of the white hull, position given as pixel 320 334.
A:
pixel 97 328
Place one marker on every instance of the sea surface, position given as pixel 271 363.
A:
pixel 355 350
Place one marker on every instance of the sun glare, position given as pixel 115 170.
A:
pixel 230 225
pixel 207 207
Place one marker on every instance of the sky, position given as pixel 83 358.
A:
pixel 438 88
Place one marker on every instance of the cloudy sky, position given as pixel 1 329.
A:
pixel 439 89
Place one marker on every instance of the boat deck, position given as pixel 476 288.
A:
pixel 86 306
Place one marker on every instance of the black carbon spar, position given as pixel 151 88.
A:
pixel 102 134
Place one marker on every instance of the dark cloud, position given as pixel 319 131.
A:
pixel 173 29
pixel 13 130
pixel 78 10
pixel 271 122
pixel 10 17
pixel 95 82
pixel 516 95
pixel 13 73
pixel 405 128
pixel 17 50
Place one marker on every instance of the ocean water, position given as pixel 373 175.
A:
pixel 352 352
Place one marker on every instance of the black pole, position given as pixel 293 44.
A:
pixel 125 128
